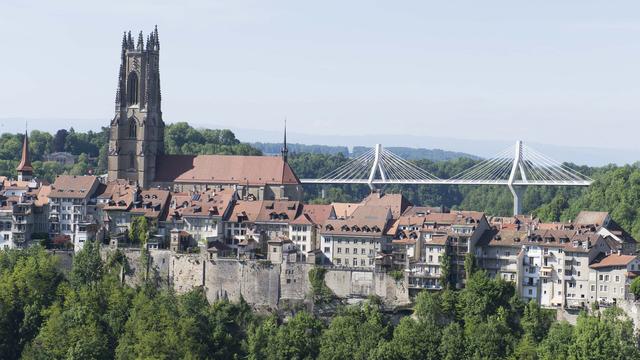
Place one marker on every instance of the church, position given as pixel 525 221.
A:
pixel 136 140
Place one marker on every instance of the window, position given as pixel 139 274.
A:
pixel 362 262
pixel 132 128
pixel 132 161
pixel 346 250
pixel 339 261
pixel 617 278
pixel 132 89
pixel 355 262
pixel 327 249
pixel 355 251
pixel 600 277
pixel 593 288
pixel 363 251
pixel 606 278
pixel 530 292
pixel 340 251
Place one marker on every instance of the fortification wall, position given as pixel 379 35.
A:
pixel 260 283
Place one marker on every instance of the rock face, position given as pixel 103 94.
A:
pixel 260 283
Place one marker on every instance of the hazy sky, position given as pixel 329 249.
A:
pixel 556 72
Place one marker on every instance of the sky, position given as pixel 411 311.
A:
pixel 562 73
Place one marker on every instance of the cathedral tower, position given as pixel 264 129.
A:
pixel 136 136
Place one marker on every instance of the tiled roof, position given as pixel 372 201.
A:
pixel 613 260
pixel 72 186
pixel 397 203
pixel 151 203
pixel 224 169
pixel 597 218
pixel 206 203
pixel 25 162
pixel 282 211
pixel 344 210
pixel 244 210
pixel 570 240
pixel 314 214
pixel 365 221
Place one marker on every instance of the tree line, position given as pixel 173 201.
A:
pixel 615 189
pixel 90 314
pixel 91 148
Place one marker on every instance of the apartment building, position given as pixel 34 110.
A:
pixel 72 207
pixel 358 240
pixel 610 276
pixel 304 229
pixel 239 223
pixel 548 266
pixel 201 214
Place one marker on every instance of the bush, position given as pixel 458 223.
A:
pixel 398 275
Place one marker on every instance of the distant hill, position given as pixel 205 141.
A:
pixel 404 152
pixel 274 148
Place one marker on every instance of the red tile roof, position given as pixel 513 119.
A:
pixel 225 169
pixel 613 260
pixel 71 186
pixel 25 162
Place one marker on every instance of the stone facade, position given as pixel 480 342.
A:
pixel 137 129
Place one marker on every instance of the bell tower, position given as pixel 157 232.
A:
pixel 136 136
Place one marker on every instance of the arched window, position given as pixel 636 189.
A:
pixel 132 88
pixel 132 128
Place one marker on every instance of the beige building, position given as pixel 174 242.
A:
pixel 610 277
pixel 357 240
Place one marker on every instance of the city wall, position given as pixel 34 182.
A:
pixel 260 283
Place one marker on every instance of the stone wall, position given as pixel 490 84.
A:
pixel 260 283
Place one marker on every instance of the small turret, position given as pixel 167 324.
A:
pixel 25 170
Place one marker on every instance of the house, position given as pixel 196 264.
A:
pixel 201 214
pixel 73 207
pixel 357 240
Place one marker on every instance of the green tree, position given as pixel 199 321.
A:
pixel 536 321
pixel 28 282
pixel 556 344
pixel 354 334
pixel 299 338
pixel 452 345
pixel 469 264
pixel 635 288
pixel 87 265
pixel 606 336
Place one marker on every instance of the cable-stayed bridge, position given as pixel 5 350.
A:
pixel 513 167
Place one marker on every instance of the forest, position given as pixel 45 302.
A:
pixel 89 314
pixel 616 188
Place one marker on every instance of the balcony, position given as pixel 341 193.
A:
pixel 546 271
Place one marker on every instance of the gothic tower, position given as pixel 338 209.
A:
pixel 136 137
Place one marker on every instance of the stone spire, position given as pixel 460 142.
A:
pixel 285 150
pixel 25 170
pixel 140 45
pixel 156 38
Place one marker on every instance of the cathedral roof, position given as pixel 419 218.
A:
pixel 224 169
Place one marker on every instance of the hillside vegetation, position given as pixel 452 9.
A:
pixel 89 314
